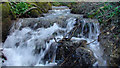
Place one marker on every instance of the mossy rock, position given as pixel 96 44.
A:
pixel 6 24
pixel 6 19
pixel 34 13
pixel 44 6
pixel 1 10
pixel 5 10
pixel 49 5
pixel 6 13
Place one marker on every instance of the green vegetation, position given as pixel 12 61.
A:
pixel 29 9
pixel 63 3
pixel 19 8
pixel 56 4
pixel 105 13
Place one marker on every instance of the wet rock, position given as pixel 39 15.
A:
pixel 71 53
pixel 51 53
pixel 34 13
pixel 35 23
pixel 43 8
pixel 86 55
pixel 6 20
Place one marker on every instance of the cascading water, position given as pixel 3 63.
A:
pixel 30 40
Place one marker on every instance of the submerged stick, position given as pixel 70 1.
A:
pixel 91 42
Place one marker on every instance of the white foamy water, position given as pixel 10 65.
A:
pixel 28 47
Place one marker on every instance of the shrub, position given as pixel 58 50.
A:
pixel 19 8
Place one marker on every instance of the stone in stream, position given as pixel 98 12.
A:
pixel 72 53
pixel 2 57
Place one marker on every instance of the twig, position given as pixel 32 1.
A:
pixel 27 11
pixel 109 18
pixel 86 49
pixel 66 59
pixel 91 42
pixel 73 52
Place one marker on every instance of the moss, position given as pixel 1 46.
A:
pixel 13 16
pixel 56 3
pixel 43 8
pixel 6 13
pixel 0 10
pixel 6 24
pixel 34 13
pixel 5 10
pixel 6 20
pixel 49 5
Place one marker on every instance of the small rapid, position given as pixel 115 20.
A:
pixel 31 39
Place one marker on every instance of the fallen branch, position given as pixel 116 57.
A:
pixel 36 6
pixel 66 59
pixel 91 42
pixel 27 11
pixel 86 49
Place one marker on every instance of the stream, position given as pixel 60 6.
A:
pixel 31 39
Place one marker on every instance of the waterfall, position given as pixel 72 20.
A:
pixel 31 39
